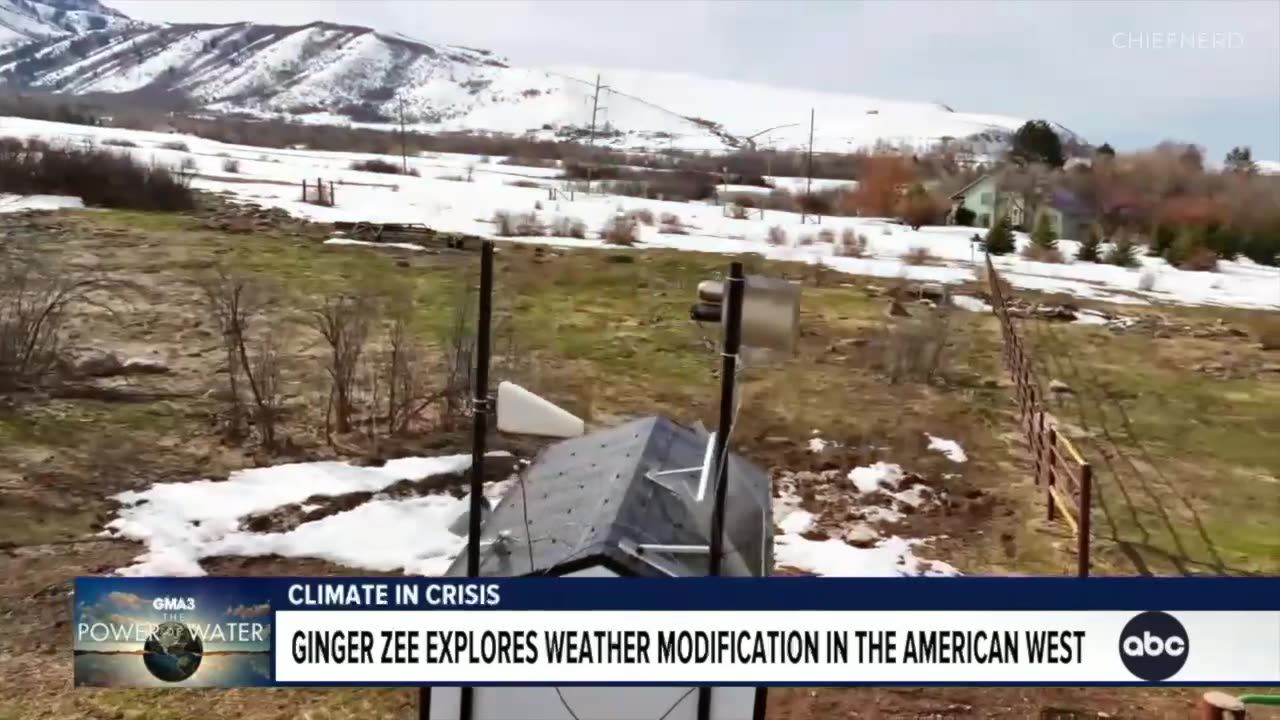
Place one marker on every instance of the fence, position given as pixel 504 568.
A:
pixel 318 193
pixel 1067 478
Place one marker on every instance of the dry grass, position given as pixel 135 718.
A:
pixel 920 256
pixel 776 236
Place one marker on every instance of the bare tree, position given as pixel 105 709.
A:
pixel 344 322
pixel 35 301
pixel 234 302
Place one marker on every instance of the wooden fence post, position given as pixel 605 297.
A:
pixel 1050 479
pixel 1086 506
pixel 304 189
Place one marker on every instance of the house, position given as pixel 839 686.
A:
pixel 984 197
pixel 623 502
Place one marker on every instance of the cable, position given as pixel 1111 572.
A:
pixel 676 704
pixel 567 707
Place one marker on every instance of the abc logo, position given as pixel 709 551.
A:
pixel 1154 646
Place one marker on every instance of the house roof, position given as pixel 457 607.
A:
pixel 595 500
pixel 957 194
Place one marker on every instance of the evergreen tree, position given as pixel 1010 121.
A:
pixel 1105 149
pixel 1190 239
pixel 1240 160
pixel 1043 235
pixel 1036 142
pixel 1122 253
pixel 965 216
pixel 1162 238
pixel 999 240
pixel 1090 246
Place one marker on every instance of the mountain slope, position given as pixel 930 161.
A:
pixel 22 21
pixel 327 73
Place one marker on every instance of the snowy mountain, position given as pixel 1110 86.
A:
pixel 339 74
pixel 22 21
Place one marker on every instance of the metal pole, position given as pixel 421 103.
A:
pixel 808 183
pixel 591 143
pixel 720 455
pixel 480 403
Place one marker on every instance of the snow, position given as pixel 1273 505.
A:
pixel 15 203
pixel 817 444
pixel 876 477
pixel 182 522
pixel 365 243
pixel 271 178
pixel 890 557
pixel 950 448
pixel 1089 317
pixel 796 522
pixel 971 304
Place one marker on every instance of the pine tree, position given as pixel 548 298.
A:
pixel 999 240
pixel 1240 160
pixel 1090 246
pixel 1036 141
pixel 1043 236
pixel 1122 253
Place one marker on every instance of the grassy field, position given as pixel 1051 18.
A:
pixel 1188 461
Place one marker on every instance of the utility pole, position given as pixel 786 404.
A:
pixel 808 183
pixel 404 156
pixel 591 143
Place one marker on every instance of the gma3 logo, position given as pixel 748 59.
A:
pixel 174 604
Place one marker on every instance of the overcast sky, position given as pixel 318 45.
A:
pixel 1092 66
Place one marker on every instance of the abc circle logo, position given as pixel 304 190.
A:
pixel 1154 646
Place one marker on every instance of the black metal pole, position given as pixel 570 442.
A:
pixel 720 454
pixel 479 433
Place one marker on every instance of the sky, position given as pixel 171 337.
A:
pixel 1110 71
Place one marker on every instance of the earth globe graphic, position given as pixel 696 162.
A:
pixel 172 653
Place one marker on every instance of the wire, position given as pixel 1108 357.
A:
pixel 676 704
pixel 567 707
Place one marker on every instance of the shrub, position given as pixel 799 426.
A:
pixel 176 145
pixel 1043 236
pixel 119 142
pixel 1200 259
pixel 919 256
pixel 964 216
pixel 827 235
pixel 100 177
pixel 805 240
pixel 568 227
pixel 1039 253
pixel 643 215
pixel 1090 246
pixel 509 224
pixel 1122 253
pixel 524 184
pixel 999 240
pixel 850 244
pixel 918 207
pixel 670 219
pixel 377 165
pixel 620 230
pixel 231 165
pixel 776 236
pixel 913 349
pixel 738 212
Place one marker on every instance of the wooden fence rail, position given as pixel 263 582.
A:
pixel 1067 478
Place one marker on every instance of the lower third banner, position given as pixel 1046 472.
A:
pixel 235 632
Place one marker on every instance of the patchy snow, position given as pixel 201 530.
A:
pixel 876 477
pixel 890 557
pixel 15 203
pixel 180 523
pixel 797 522
pixel 950 448
pixel 365 243
pixel 971 304
pixel 436 198
pixel 817 444
pixel 1089 317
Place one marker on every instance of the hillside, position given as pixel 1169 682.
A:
pixel 22 21
pixel 338 74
